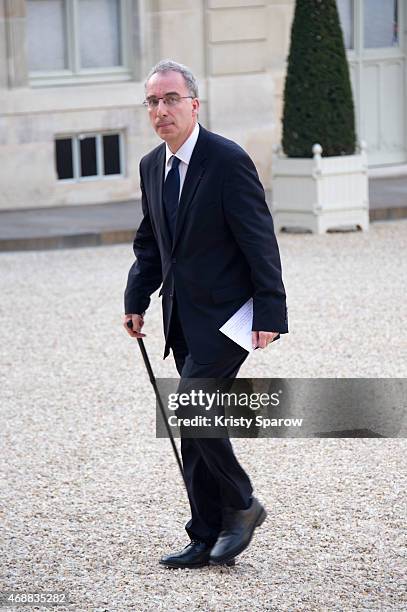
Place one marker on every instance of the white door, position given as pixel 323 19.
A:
pixel 374 33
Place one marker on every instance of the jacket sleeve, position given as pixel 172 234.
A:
pixel 251 224
pixel 145 275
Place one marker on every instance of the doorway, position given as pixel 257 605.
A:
pixel 374 34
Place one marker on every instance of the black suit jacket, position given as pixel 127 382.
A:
pixel 224 249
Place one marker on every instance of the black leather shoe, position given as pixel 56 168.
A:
pixel 195 554
pixel 237 532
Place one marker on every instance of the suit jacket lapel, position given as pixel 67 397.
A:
pixel 196 169
pixel 158 179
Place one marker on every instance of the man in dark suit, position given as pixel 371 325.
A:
pixel 207 237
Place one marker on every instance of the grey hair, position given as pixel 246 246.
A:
pixel 168 65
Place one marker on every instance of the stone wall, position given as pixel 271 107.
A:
pixel 237 48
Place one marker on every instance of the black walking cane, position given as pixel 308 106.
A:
pixel 159 400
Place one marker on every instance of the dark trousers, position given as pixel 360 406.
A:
pixel 214 477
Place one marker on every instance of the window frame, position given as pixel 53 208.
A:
pixel 358 50
pixel 75 74
pixel 100 176
pixel 354 24
pixel 390 51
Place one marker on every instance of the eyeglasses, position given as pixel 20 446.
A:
pixel 168 99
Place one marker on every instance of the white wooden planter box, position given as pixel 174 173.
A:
pixel 320 193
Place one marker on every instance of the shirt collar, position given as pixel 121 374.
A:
pixel 185 151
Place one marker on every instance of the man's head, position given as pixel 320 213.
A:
pixel 175 116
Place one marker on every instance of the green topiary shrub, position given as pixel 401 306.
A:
pixel 318 101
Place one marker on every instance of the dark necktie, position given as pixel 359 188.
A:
pixel 171 195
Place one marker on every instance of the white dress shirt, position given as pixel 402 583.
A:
pixel 184 154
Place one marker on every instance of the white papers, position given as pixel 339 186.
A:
pixel 239 327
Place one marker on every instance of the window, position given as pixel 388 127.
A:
pixel 381 23
pixel 46 35
pixel 99 33
pixel 345 9
pixel 82 39
pixel 89 156
pixel 64 158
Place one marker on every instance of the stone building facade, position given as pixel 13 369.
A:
pixel 72 124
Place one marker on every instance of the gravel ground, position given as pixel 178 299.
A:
pixel 92 499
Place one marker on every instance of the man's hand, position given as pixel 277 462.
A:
pixel 260 339
pixel 137 321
